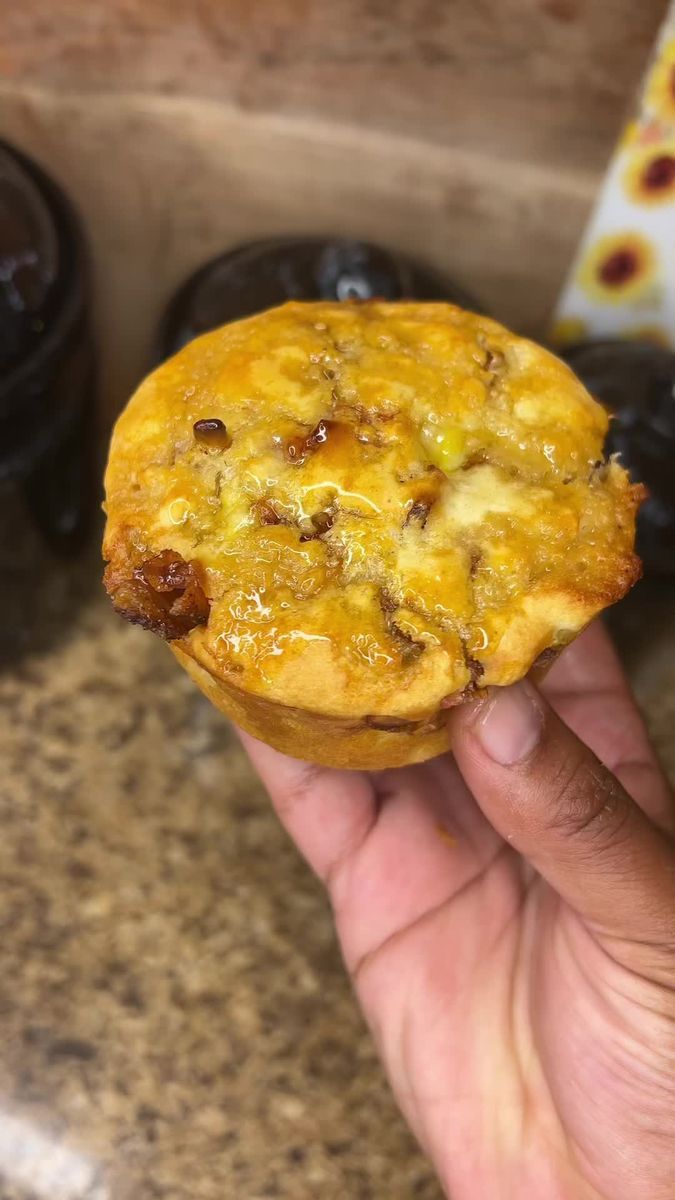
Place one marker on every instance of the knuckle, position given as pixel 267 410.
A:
pixel 588 805
pixel 298 791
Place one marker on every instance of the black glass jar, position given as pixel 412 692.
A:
pixel 636 383
pixel 47 361
pixel 265 273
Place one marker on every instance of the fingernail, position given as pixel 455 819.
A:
pixel 509 726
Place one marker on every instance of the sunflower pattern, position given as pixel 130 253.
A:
pixel 660 89
pixel 622 283
pixel 565 331
pixel 618 268
pixel 649 177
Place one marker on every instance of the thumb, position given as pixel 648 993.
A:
pixel 548 795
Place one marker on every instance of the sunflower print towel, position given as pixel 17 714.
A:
pixel 622 283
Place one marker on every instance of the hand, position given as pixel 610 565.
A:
pixel 508 919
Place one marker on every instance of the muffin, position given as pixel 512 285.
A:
pixel 347 518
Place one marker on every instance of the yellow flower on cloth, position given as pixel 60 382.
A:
pixel 660 90
pixel 567 330
pixel 622 281
pixel 631 135
pixel 618 267
pixel 650 175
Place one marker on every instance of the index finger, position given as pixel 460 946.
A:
pixel 329 813
pixel 589 690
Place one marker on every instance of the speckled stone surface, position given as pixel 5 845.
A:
pixel 174 1018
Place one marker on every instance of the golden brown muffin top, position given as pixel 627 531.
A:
pixel 365 508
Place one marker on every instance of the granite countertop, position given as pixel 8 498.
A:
pixel 174 1017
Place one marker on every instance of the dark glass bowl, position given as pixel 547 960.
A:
pixel 46 351
pixel 636 382
pixel 262 274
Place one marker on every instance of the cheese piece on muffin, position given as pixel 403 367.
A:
pixel 346 518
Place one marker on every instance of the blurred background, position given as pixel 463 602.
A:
pixel 174 1020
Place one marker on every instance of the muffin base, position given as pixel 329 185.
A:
pixel 327 741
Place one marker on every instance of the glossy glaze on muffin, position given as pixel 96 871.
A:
pixel 363 512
